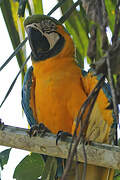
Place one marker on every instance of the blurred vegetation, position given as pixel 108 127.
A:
pixel 88 26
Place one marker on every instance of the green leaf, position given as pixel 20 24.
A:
pixel 117 175
pixel 99 44
pixel 78 27
pixel 30 168
pixel 50 169
pixel 110 6
pixel 4 156
pixel 14 26
pixel 21 8
pixel 36 7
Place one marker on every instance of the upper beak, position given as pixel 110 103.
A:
pixel 38 42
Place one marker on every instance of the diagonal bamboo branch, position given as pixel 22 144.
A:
pixel 97 154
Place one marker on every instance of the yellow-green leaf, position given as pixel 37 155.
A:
pixel 15 27
pixel 36 6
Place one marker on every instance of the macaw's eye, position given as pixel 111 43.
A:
pixel 38 42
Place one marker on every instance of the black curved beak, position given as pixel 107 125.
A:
pixel 38 42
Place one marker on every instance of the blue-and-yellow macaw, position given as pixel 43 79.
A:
pixel 55 88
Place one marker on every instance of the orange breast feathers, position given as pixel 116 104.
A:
pixel 58 95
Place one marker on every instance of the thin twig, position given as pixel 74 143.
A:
pixel 14 81
pixel 69 12
pixel 117 23
pixel 115 105
pixel 77 168
pixel 14 53
pixel 83 108
pixel 69 161
pixel 25 40
pixel 85 163
pixel 72 151
pixel 56 7
pixel 104 14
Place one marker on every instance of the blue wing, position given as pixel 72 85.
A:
pixel 29 113
pixel 26 97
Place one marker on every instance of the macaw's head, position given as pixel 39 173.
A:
pixel 48 38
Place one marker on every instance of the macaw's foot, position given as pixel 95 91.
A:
pixel 38 129
pixel 62 135
pixel 86 142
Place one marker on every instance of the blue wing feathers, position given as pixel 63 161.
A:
pixel 26 97
pixel 28 111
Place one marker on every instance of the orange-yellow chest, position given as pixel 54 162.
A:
pixel 59 94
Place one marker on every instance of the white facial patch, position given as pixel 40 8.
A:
pixel 53 37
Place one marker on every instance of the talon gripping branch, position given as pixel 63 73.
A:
pixel 55 88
